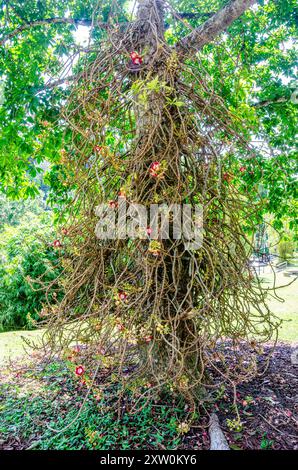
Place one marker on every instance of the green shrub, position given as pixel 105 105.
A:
pixel 286 249
pixel 26 255
pixel 13 211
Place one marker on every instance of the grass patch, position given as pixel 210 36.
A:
pixel 287 309
pixel 13 346
pixel 51 398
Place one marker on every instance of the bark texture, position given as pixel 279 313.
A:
pixel 217 437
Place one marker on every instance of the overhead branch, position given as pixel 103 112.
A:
pixel 49 21
pixel 55 83
pixel 211 28
pixel 190 16
pixel 264 103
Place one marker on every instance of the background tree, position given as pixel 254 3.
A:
pixel 28 263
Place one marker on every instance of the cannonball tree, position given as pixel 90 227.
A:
pixel 158 111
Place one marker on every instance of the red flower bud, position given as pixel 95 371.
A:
pixel 57 243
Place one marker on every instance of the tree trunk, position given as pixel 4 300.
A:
pixel 159 124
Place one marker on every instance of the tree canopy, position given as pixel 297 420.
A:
pixel 252 64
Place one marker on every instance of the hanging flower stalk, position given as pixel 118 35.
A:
pixel 165 311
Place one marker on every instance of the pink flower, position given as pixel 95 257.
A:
pixel 136 58
pixel 122 295
pixel 97 148
pixel 242 169
pixel 155 252
pixel 113 204
pixel 149 230
pixel 148 339
pixel 133 55
pixel 227 177
pixel 79 370
pixel 57 243
pixel 154 168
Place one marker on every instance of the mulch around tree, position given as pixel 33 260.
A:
pixel 268 407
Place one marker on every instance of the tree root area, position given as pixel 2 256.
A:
pixel 267 405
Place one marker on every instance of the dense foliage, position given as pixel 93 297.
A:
pixel 253 67
pixel 27 258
